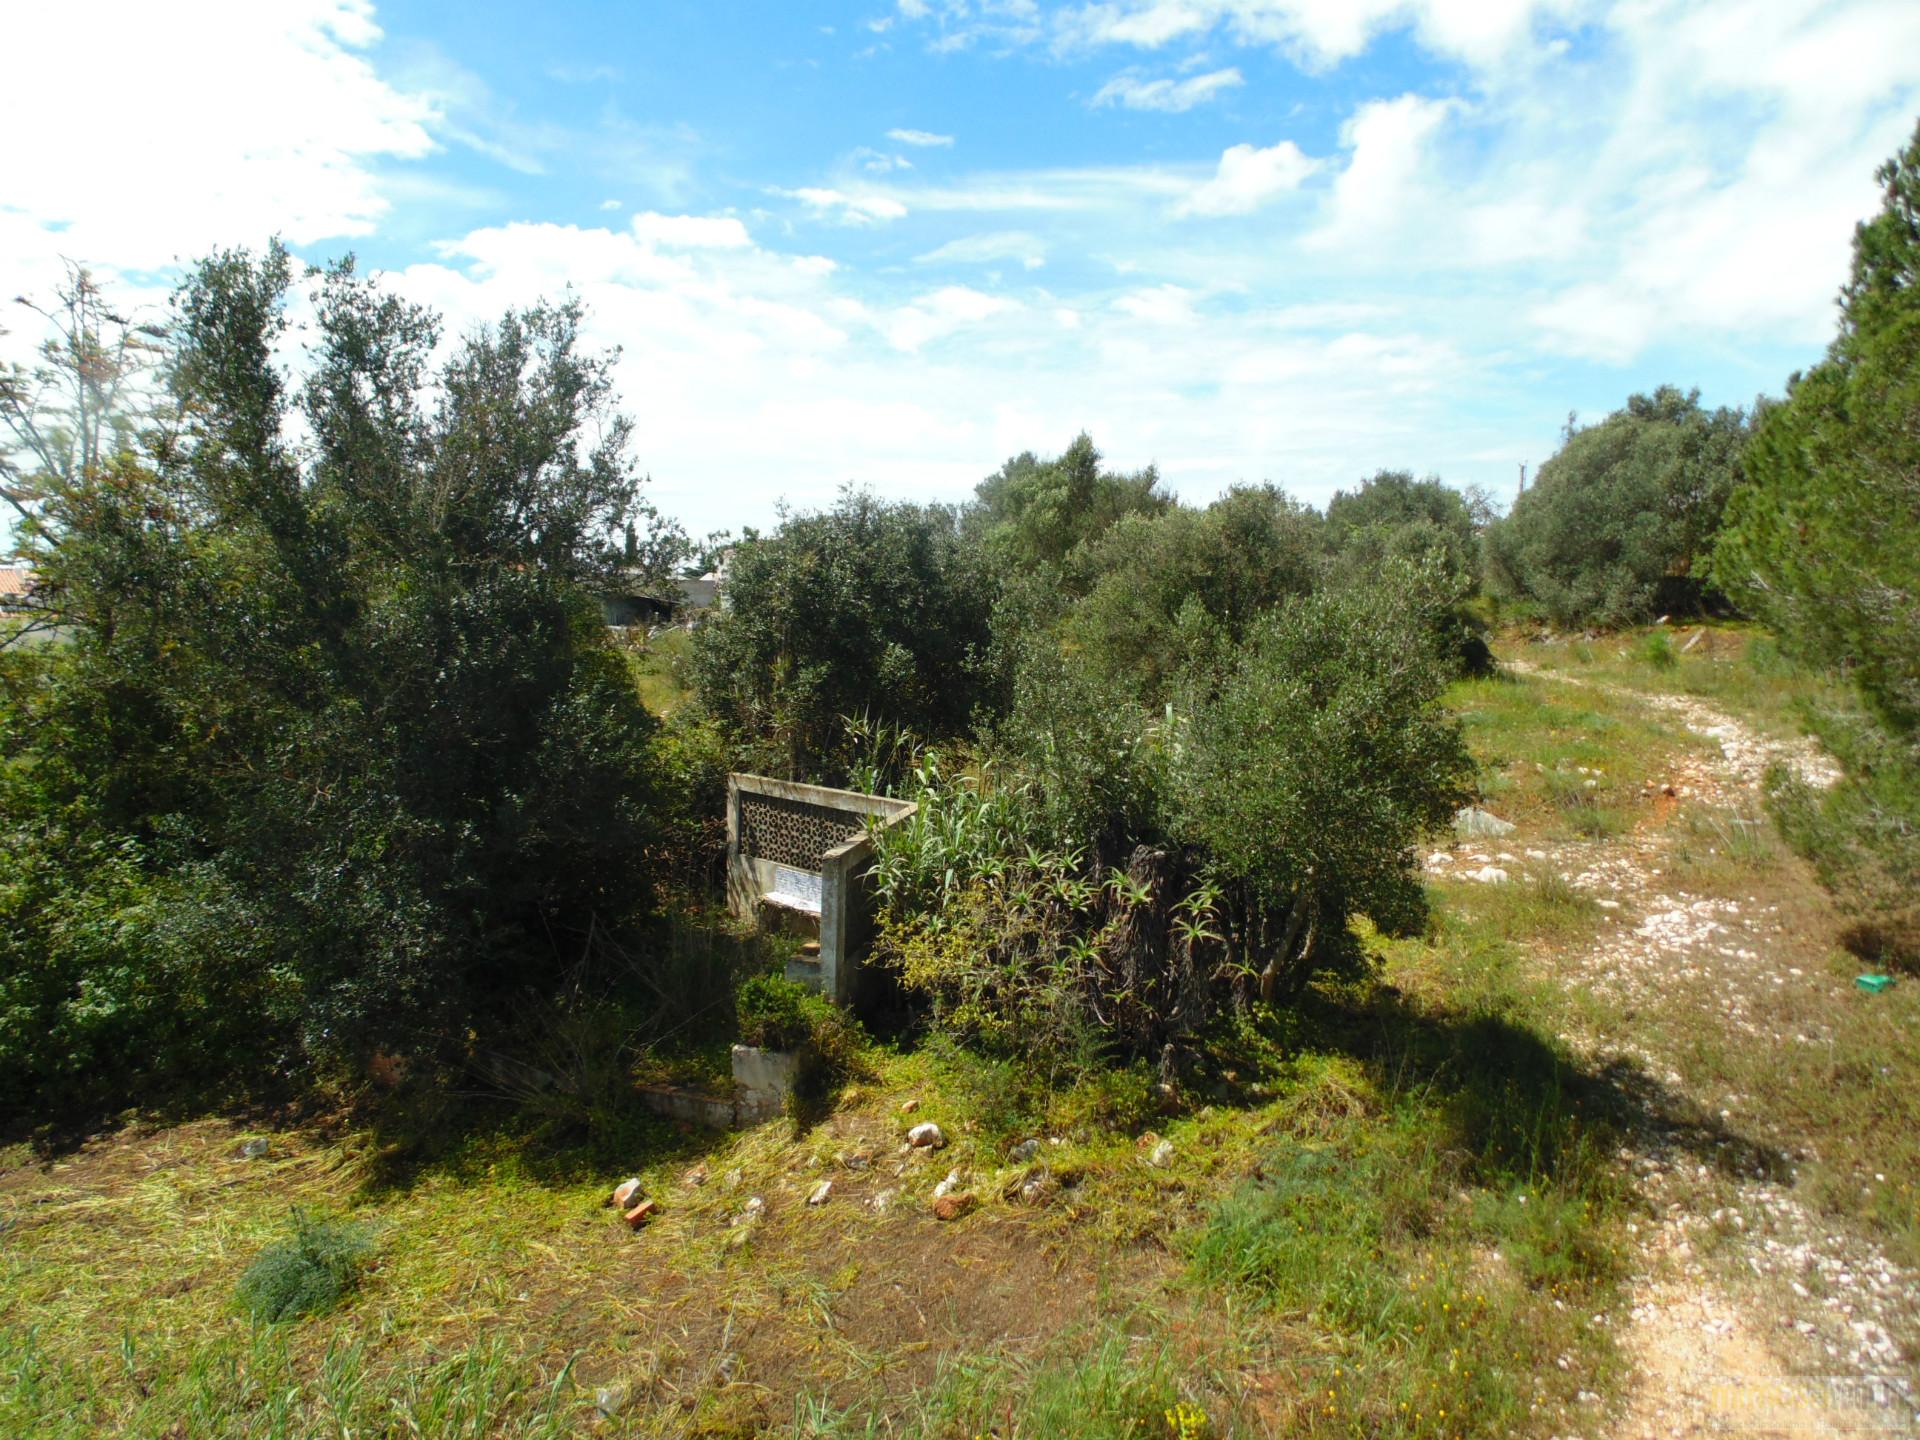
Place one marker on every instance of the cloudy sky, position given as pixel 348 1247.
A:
pixel 895 242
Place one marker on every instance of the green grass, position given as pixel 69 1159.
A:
pixel 1736 667
pixel 1098 1382
pixel 660 670
pixel 1569 761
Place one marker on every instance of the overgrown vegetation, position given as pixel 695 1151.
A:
pixel 1619 525
pixel 336 786
pixel 340 719
pixel 309 1273
pixel 1823 543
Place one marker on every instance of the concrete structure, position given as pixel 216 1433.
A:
pixel 796 856
pixel 762 1081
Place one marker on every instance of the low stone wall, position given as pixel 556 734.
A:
pixel 798 853
pixel 762 1080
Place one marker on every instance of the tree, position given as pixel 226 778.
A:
pixel 68 418
pixel 1321 761
pixel 872 609
pixel 348 703
pixel 1035 514
pixel 1168 590
pixel 1823 542
pixel 1619 524
pixel 1392 502
pixel 1428 525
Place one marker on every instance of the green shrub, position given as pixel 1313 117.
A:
pixel 1132 872
pixel 776 1013
pixel 1321 761
pixel 308 1274
pixel 874 605
pixel 400 786
pixel 1656 649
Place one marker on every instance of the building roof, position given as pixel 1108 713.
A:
pixel 16 582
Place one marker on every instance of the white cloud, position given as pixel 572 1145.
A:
pixel 1682 177
pixel 939 314
pixel 1161 305
pixel 1248 178
pixel 1020 245
pixel 880 162
pixel 1379 191
pixel 691 232
pixel 922 138
pixel 270 120
pixel 611 205
pixel 1174 96
pixel 1315 33
pixel 851 209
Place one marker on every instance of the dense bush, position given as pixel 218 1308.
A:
pixel 776 1013
pixel 1123 872
pixel 1393 512
pixel 1823 542
pixel 1322 760
pixel 309 1273
pixel 872 608
pixel 1035 515
pixel 1619 524
pixel 1168 589
pixel 343 716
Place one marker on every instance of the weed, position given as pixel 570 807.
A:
pixel 307 1274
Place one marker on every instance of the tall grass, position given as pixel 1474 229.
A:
pixel 258 1386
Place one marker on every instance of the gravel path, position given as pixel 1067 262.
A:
pixel 1814 1344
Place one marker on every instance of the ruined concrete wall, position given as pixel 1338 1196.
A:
pixel 796 855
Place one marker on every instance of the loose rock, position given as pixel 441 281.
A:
pixel 926 1136
pixel 820 1193
pixel 1472 820
pixel 952 1207
pixel 641 1213
pixel 625 1194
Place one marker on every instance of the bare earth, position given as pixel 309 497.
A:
pixel 1759 1318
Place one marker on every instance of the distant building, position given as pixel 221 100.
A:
pixel 16 587
pixel 699 594
pixel 632 600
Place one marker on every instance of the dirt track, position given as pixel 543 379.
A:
pixel 1816 1344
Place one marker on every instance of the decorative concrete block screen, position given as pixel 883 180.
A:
pixel 800 851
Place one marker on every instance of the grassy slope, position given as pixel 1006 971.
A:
pixel 1398 1211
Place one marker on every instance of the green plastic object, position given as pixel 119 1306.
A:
pixel 1874 984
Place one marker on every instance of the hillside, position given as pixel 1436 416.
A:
pixel 1618 1147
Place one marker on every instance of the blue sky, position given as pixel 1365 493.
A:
pixel 895 242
